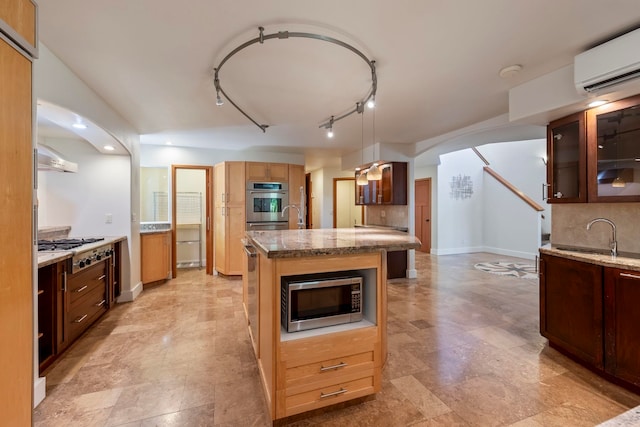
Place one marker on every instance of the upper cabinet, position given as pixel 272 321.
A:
pixel 613 144
pixel 391 189
pixel 259 171
pixel 594 156
pixel 567 160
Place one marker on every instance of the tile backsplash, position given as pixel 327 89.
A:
pixel 393 215
pixel 569 225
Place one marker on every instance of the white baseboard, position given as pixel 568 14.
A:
pixel 39 390
pixel 128 296
pixel 455 251
pixel 507 252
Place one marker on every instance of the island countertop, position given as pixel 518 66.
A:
pixel 329 241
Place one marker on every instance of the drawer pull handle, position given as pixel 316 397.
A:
pixel 102 277
pixel 329 368
pixel 82 288
pixel 80 319
pixel 101 303
pixel 630 276
pixel 333 393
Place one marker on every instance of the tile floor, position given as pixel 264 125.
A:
pixel 464 350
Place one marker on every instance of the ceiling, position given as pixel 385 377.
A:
pixel 437 64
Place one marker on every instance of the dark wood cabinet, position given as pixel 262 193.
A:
pixel 622 318
pixel 590 313
pixel 594 155
pixel 613 147
pixel 571 307
pixel 567 160
pixel 390 189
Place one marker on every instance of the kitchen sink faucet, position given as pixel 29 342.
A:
pixel 300 219
pixel 614 242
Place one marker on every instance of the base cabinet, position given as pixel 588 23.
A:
pixel 590 313
pixel 155 251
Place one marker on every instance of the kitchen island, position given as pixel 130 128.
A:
pixel 311 369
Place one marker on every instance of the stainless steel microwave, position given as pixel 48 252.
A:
pixel 318 302
pixel 265 201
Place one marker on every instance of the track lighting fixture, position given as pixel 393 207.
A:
pixel 362 177
pixel 372 102
pixel 281 35
pixel 374 173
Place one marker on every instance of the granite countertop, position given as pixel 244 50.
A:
pixel 329 241
pixel 595 256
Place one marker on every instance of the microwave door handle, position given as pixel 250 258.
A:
pixel 267 192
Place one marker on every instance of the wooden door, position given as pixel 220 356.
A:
pixel 296 180
pixel 423 213
pixel 345 212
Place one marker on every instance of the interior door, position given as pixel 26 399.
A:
pixel 345 212
pixel 423 213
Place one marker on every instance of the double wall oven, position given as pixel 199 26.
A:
pixel 265 202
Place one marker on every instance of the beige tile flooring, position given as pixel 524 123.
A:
pixel 464 350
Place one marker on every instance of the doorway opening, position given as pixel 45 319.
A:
pixel 345 211
pixel 423 213
pixel 191 202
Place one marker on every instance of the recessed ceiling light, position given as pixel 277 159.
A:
pixel 168 143
pixel 109 147
pixel 597 103
pixel 510 71
pixel 79 125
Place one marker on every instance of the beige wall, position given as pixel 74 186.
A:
pixel 569 226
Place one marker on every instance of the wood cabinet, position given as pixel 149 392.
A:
pixel 391 189
pixel 229 216
pixel 52 336
pixel 592 155
pixel 567 160
pixel 86 298
pixel 613 164
pixel 260 171
pixel 296 180
pixel 590 313
pixel 17 41
pixel 622 317
pixel 155 256
pixel 571 307
pixel 302 371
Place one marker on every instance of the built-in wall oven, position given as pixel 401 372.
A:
pixel 265 202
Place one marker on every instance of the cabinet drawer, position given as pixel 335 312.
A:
pixel 86 311
pixel 84 282
pixel 349 387
pixel 327 369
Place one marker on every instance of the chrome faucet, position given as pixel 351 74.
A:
pixel 300 219
pixel 614 241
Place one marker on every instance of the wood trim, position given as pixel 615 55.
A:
pixel 528 200
pixel 484 160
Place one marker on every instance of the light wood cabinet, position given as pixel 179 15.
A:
pixel 17 213
pixel 296 180
pixel 229 216
pixel 155 254
pixel 304 372
pixel 259 171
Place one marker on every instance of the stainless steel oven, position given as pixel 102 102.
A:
pixel 265 201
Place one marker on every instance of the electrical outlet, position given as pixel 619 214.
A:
pixel 108 218
pixel 382 214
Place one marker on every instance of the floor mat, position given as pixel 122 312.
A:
pixel 523 271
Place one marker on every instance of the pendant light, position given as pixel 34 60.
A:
pixel 374 173
pixel 362 178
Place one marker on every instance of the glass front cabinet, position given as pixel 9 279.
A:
pixel 613 144
pixel 567 160
pixel 594 156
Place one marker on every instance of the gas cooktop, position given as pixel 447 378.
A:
pixel 65 244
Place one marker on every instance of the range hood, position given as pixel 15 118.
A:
pixel 50 160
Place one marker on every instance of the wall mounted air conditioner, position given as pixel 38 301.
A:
pixel 609 64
